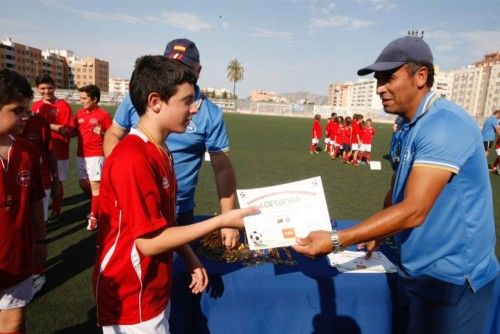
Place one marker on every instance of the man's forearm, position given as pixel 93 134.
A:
pixel 225 181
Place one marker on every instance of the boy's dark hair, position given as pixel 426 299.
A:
pixel 44 78
pixel 13 87
pixel 157 74
pixel 92 91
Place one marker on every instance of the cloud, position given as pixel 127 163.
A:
pixel 95 16
pixel 225 24
pixel 340 22
pixel 16 24
pixel 378 4
pixel 482 41
pixel 382 4
pixel 271 34
pixel 181 20
pixel 478 41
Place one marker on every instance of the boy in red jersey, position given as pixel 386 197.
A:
pixel 37 131
pixel 137 232
pixel 91 124
pixel 62 123
pixel 333 134
pixel 316 134
pixel 356 140
pixel 23 243
pixel 367 134
pixel 347 140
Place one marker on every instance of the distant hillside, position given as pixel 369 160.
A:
pixel 297 96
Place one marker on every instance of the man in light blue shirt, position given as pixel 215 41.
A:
pixel 491 129
pixel 206 132
pixel 439 207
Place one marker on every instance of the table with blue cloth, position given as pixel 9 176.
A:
pixel 311 297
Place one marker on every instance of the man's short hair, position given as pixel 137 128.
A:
pixel 413 68
pixel 157 74
pixel 44 78
pixel 13 87
pixel 92 91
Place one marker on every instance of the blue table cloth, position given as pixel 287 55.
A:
pixel 311 297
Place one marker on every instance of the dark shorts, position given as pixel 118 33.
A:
pixel 435 306
pixel 185 218
pixel 488 145
pixel 346 147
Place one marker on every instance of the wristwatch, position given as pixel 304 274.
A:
pixel 336 244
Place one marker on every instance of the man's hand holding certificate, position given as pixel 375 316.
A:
pixel 287 211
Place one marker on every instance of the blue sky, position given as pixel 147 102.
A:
pixel 284 46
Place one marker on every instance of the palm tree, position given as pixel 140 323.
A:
pixel 235 72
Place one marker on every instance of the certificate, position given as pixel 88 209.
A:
pixel 356 262
pixel 287 211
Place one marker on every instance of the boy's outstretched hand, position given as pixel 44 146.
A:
pixel 234 218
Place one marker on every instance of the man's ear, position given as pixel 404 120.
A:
pixel 421 76
pixel 154 102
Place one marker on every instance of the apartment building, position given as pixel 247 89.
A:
pixel 339 95
pixel 118 86
pixel 68 70
pixel 92 71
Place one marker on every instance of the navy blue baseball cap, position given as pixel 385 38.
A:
pixel 183 50
pixel 400 51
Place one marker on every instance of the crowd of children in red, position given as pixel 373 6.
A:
pixel 347 138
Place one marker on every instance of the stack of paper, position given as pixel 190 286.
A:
pixel 356 262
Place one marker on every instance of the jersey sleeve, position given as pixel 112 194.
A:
pixel 106 121
pixel 217 139
pixel 122 115
pixel 136 187
pixel 438 146
pixel 65 115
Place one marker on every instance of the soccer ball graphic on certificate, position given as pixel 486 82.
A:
pixel 256 237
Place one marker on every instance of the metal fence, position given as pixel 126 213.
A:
pixel 260 108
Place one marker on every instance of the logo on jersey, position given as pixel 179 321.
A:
pixel 80 121
pixel 165 183
pixel 191 127
pixel 24 178
pixel 93 121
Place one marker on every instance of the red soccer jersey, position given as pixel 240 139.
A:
pixel 20 185
pixel 498 142
pixel 89 142
pixel 59 113
pixel 328 128
pixel 334 131
pixel 316 130
pixel 137 197
pixel 345 135
pixel 37 130
pixel 367 135
pixel 356 130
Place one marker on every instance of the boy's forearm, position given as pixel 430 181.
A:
pixel 176 236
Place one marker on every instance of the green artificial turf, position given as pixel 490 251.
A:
pixel 265 151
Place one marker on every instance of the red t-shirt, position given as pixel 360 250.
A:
pixel 20 185
pixel 356 130
pixel 90 143
pixel 328 128
pixel 367 135
pixel 498 142
pixel 334 131
pixel 316 129
pixel 59 113
pixel 137 197
pixel 345 135
pixel 37 130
